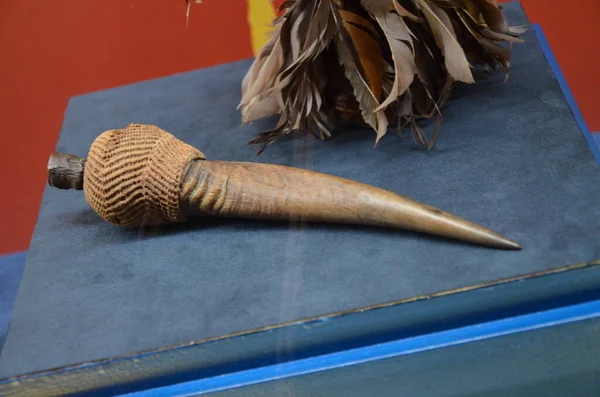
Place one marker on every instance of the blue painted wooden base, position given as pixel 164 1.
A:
pixel 352 357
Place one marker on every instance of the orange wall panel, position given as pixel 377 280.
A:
pixel 573 32
pixel 52 50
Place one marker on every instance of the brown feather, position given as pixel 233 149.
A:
pixel 400 42
pixel 454 56
pixel 366 48
pixel 361 58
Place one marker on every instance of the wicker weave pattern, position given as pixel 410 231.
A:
pixel 132 176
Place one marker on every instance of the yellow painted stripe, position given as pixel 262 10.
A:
pixel 261 14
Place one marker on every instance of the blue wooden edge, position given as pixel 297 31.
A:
pixel 596 137
pixel 592 139
pixel 492 329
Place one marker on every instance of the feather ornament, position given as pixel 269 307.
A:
pixel 374 63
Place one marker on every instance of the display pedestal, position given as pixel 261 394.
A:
pixel 509 157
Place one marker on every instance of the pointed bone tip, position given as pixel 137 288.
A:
pixel 512 245
pixel 482 236
pixel 502 242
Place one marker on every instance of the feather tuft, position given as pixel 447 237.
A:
pixel 371 62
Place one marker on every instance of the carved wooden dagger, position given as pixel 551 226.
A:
pixel 142 175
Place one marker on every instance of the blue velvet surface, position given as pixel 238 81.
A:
pixel 510 157
pixel 11 269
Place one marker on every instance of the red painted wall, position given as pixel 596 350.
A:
pixel 572 29
pixel 52 50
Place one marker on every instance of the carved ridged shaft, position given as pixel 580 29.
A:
pixel 266 191
pixel 142 175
